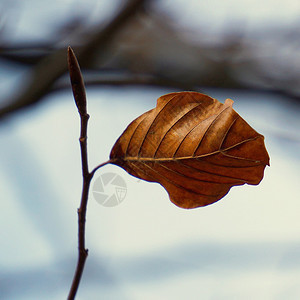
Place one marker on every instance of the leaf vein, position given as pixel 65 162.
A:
pixel 210 125
pixel 156 117
pixel 171 181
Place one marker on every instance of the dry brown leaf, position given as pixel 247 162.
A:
pixel 194 146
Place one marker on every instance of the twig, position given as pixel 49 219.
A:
pixel 80 100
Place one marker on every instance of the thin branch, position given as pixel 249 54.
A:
pixel 117 78
pixel 81 103
pixel 80 100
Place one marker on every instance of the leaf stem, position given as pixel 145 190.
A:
pixel 101 165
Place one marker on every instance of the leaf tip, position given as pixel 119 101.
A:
pixel 228 102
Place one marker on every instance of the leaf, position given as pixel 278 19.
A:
pixel 194 146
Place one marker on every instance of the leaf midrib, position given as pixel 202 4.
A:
pixel 168 159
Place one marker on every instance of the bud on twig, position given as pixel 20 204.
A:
pixel 77 82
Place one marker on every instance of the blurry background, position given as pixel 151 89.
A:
pixel 131 52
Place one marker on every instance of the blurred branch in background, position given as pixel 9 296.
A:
pixel 49 68
pixel 141 45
